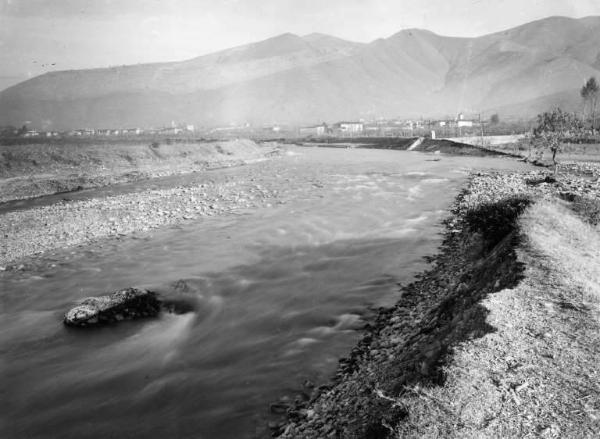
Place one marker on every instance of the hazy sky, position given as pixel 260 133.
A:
pixel 41 35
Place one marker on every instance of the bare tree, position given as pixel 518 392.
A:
pixel 554 129
pixel 590 92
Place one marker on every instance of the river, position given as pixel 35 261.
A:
pixel 280 294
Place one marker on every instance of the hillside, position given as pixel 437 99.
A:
pixel 294 79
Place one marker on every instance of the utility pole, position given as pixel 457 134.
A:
pixel 481 128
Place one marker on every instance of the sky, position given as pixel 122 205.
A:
pixel 37 36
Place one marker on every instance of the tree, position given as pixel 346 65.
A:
pixel 22 130
pixel 494 119
pixel 554 129
pixel 590 92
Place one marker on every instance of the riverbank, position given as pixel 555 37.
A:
pixel 427 145
pixel 34 170
pixel 498 339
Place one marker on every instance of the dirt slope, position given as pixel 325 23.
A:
pixel 39 169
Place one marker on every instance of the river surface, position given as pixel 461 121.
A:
pixel 280 294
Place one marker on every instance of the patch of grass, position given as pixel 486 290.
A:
pixel 531 376
pixel 570 242
pixel 586 207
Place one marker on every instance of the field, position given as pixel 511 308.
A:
pixel 572 152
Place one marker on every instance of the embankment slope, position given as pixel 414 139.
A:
pixel 498 339
pixel 33 170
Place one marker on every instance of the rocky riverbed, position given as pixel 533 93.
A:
pixel 409 348
pixel 69 223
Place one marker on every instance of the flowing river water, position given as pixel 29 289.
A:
pixel 280 292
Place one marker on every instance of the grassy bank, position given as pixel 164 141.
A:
pixel 571 152
pixel 498 339
pixel 32 170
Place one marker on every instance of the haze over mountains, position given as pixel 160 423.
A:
pixel 313 78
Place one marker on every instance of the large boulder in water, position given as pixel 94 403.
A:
pixel 131 303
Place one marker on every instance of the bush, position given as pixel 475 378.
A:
pixel 496 220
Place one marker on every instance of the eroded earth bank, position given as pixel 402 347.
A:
pixel 43 168
pixel 500 338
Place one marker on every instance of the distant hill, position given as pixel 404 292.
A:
pixel 304 79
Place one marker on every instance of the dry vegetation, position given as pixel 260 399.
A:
pixel 535 375
pixel 571 246
pixel 579 152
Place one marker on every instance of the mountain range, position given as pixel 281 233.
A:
pixel 308 79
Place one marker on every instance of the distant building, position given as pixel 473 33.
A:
pixel 31 133
pixel 373 128
pixel 171 131
pixel 462 122
pixel 132 131
pixel 82 132
pixel 316 130
pixel 349 128
pixel 271 128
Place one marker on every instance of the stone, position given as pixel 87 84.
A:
pixel 130 303
pixel 279 407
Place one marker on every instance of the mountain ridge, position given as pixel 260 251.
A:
pixel 302 79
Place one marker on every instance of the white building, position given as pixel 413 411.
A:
pixel 350 127
pixel 316 130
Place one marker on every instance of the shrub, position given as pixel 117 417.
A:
pixel 496 220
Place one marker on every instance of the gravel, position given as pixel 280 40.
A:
pixel 68 223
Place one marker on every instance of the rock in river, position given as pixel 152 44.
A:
pixel 130 303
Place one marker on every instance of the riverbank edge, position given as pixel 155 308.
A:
pixel 38 170
pixel 410 346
